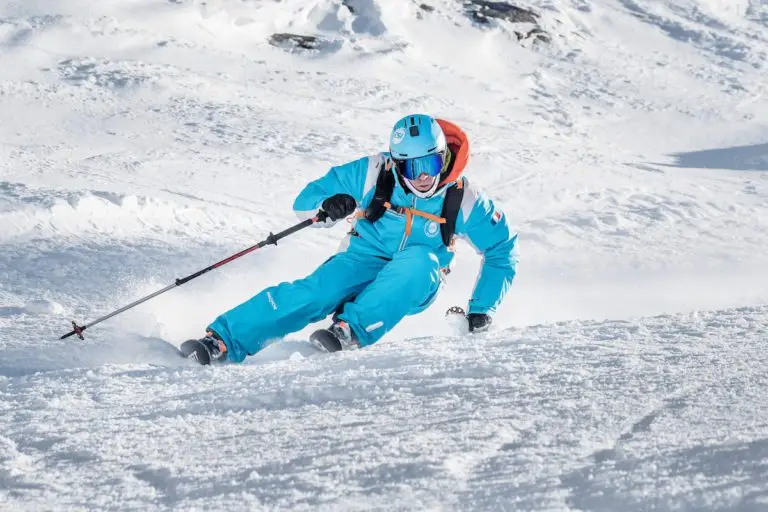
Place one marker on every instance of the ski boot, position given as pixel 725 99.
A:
pixel 206 350
pixel 337 337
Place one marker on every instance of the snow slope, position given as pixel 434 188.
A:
pixel 662 413
pixel 143 140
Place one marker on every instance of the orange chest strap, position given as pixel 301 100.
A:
pixel 409 214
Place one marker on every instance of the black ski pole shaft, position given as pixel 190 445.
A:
pixel 270 240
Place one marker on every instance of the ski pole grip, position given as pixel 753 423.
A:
pixel 321 216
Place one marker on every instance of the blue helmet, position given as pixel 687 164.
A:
pixel 417 146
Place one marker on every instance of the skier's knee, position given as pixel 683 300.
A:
pixel 421 257
pixel 424 262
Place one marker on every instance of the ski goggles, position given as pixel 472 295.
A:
pixel 412 168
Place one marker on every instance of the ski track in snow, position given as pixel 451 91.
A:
pixel 142 141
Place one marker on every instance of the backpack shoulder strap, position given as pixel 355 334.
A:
pixel 451 206
pixel 382 193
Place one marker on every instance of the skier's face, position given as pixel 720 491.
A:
pixel 424 182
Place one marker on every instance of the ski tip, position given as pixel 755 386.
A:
pixel 195 351
pixel 325 341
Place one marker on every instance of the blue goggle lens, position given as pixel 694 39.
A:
pixel 412 168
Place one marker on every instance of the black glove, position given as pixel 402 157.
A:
pixel 339 206
pixel 478 322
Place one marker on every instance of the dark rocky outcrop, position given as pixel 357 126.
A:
pixel 295 41
pixel 483 12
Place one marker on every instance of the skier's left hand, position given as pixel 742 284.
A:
pixel 478 322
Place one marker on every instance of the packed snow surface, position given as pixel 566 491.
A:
pixel 626 141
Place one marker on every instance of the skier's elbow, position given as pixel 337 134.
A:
pixel 305 206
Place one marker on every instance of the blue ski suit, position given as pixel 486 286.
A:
pixel 384 270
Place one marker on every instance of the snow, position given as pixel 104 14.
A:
pixel 141 141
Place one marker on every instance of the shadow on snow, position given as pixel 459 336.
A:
pixel 603 485
pixel 739 158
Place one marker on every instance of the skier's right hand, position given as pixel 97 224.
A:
pixel 339 206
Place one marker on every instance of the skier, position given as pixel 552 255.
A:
pixel 408 205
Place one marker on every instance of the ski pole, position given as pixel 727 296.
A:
pixel 271 239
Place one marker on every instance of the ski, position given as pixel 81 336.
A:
pixel 196 351
pixel 325 341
